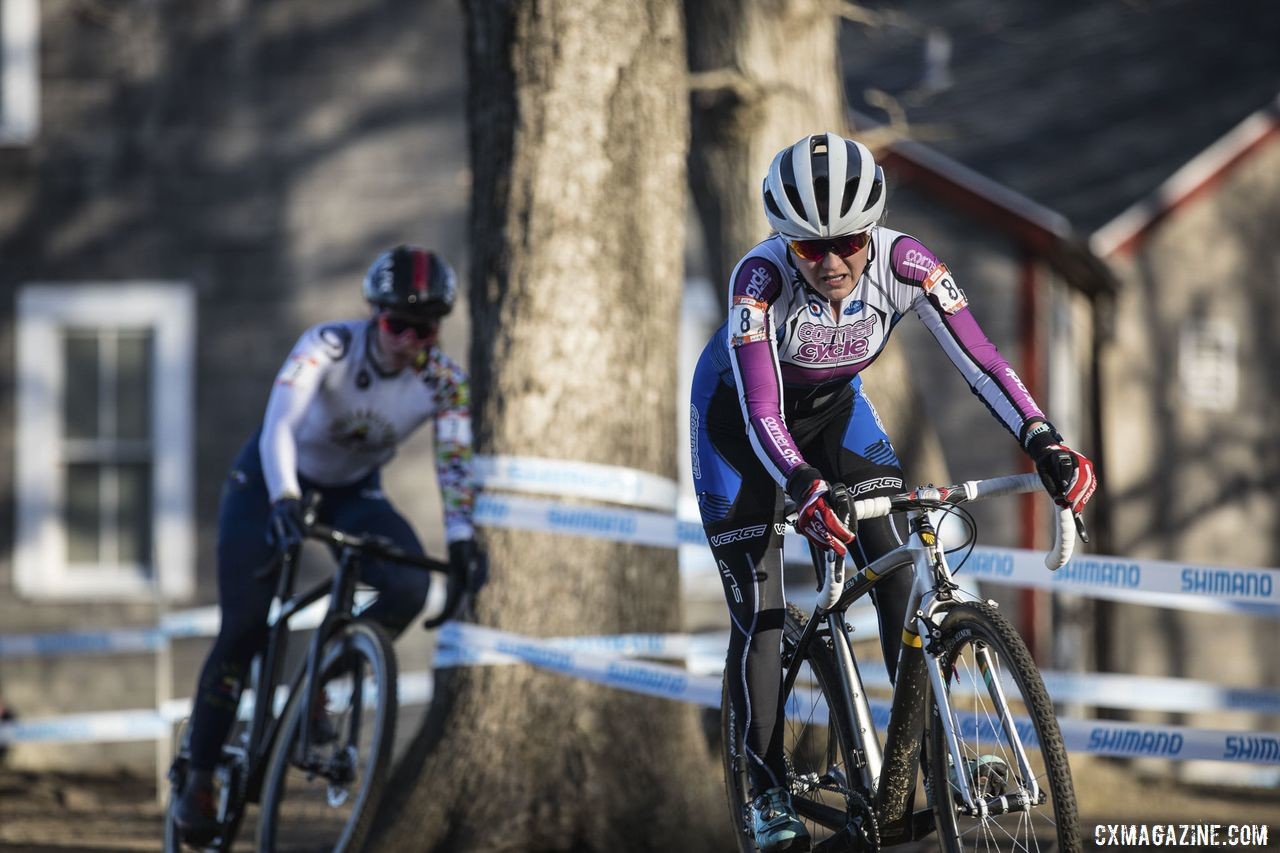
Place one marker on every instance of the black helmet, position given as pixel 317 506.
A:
pixel 411 281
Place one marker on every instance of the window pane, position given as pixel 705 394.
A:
pixel 133 518
pixel 133 402
pixel 83 502
pixel 80 403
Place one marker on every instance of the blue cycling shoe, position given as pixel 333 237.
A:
pixel 775 825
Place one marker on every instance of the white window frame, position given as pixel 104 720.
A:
pixel 19 71
pixel 45 309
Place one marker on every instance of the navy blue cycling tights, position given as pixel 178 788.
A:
pixel 244 599
pixel 742 514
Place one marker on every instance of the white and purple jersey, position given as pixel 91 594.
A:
pixel 334 416
pixel 783 340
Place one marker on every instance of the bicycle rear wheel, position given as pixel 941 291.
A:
pixel 818 745
pixel 322 795
pixel 1024 811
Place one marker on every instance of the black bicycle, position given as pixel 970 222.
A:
pixel 318 764
pixel 969 718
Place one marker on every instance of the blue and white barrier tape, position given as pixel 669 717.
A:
pixel 111 642
pixel 1134 740
pixel 703 654
pixel 1148 582
pixel 1153 582
pixel 583 658
pixel 578 480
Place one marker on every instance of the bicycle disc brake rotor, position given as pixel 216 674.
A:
pixel 341 773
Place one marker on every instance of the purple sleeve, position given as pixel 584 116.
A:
pixel 984 368
pixel 756 283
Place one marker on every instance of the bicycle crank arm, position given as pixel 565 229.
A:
pixel 839 843
pixel 819 813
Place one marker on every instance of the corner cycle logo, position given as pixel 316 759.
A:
pixel 780 442
pixel 820 344
pixel 759 282
pixel 919 260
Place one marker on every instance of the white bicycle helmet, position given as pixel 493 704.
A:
pixel 797 191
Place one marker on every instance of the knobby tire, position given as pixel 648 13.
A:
pixel 294 820
pixel 1052 826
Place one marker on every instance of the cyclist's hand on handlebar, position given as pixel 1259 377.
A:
pixel 286 528
pixel 468 563
pixel 1067 475
pixel 819 522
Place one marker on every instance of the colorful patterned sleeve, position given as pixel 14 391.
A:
pixel 453 444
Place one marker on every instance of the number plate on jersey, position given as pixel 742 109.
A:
pixel 943 288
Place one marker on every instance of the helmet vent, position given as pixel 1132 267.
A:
pixel 850 191
pixel 793 196
pixel 772 205
pixel 820 192
pixel 876 187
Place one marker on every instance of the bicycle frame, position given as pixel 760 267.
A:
pixel 887 771
pixel 264 724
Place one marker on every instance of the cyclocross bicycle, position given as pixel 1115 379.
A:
pixel 317 766
pixel 969 718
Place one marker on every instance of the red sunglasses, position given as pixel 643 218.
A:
pixel 816 250
pixel 422 329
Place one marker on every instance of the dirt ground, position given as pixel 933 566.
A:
pixel 61 813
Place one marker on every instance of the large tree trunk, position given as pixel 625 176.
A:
pixel 578 134
pixel 764 74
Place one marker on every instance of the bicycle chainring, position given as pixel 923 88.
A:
pixel 863 815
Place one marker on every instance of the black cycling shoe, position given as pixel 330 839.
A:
pixel 197 811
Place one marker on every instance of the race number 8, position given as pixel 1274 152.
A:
pixel 943 287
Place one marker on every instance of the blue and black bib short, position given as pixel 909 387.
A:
pixel 742 508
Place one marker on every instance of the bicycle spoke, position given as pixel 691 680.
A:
pixel 321 792
pixel 1001 716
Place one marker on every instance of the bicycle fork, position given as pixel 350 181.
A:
pixel 974 804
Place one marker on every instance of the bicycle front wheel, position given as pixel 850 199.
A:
pixel 1012 760
pixel 322 794
pixel 818 746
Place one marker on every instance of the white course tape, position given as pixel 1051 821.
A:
pixel 465 644
pixel 1150 582
pixel 638 527
pixel 1107 738
pixel 703 654
pixel 577 480
pixel 650 679
pixel 110 642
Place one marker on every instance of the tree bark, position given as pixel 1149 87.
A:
pixel 765 73
pixel 578 128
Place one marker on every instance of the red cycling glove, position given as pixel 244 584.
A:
pixel 1068 475
pixel 819 522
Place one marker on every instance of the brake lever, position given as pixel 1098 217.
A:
pixel 1079 520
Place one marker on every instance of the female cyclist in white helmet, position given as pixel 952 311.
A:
pixel 778 407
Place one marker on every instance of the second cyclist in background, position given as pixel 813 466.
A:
pixel 348 395
pixel 777 404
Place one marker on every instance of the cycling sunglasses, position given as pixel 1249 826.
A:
pixel 816 250
pixel 422 329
